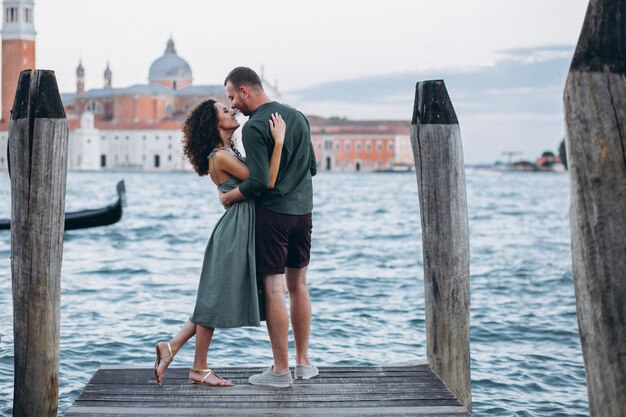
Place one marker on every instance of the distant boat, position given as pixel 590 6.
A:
pixel 89 218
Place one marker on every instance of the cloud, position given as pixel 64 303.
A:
pixel 517 95
pixel 523 79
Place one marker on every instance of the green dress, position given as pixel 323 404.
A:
pixel 227 292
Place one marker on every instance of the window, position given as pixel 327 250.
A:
pixel 169 158
pixel 27 15
pixel 169 108
pixel 357 146
pixel 169 146
pixel 156 137
pixel 337 146
pixel 379 146
pixel 368 145
pixel 127 137
pixel 103 161
pixel 390 146
pixel 346 145
pixel 157 161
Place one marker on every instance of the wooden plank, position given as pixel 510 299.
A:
pixel 216 394
pixel 271 404
pixel 449 411
pixel 245 389
pixel 315 381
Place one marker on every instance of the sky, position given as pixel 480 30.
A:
pixel 504 61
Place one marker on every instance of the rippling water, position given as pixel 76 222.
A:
pixel 126 286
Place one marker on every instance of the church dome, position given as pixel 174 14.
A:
pixel 169 67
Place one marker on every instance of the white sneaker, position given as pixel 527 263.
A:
pixel 305 371
pixel 270 379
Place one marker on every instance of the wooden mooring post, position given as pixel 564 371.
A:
pixel 38 136
pixel 438 153
pixel 595 116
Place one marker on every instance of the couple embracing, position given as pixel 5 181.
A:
pixel 260 248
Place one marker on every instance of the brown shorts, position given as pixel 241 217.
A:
pixel 282 240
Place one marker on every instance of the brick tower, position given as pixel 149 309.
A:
pixel 18 47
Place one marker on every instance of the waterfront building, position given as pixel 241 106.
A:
pixel 349 145
pixel 138 127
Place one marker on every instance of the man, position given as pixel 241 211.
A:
pixel 283 221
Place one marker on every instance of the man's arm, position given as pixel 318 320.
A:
pixel 313 162
pixel 258 165
pixel 254 142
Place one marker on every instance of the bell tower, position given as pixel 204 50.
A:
pixel 80 78
pixel 18 47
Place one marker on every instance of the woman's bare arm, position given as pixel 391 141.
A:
pixel 277 128
pixel 225 163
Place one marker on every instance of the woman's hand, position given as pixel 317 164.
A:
pixel 277 128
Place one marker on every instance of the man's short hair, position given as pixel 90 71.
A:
pixel 243 76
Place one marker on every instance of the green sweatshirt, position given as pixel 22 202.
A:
pixel 293 191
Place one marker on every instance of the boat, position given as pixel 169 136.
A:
pixel 89 218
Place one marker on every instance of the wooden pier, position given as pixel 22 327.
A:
pixel 338 391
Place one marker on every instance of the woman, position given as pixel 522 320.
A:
pixel 227 292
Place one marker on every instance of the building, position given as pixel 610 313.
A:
pixel 18 48
pixel 138 127
pixel 348 145
pixel 135 127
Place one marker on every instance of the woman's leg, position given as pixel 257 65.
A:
pixel 184 334
pixel 203 341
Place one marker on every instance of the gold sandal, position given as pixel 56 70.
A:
pixel 209 372
pixel 157 362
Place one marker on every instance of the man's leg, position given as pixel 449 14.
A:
pixel 277 320
pixel 300 306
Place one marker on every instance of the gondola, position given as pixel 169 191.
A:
pixel 89 218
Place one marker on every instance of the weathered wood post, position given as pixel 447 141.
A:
pixel 38 135
pixel 595 116
pixel 438 153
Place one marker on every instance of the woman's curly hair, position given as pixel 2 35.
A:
pixel 201 135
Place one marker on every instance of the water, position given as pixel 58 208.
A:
pixel 126 286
